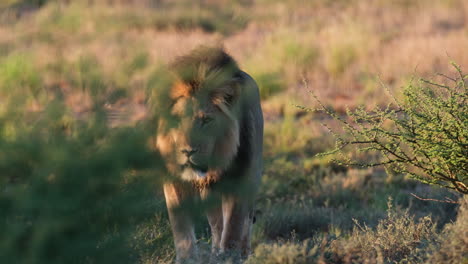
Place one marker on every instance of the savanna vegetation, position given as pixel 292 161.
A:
pixel 81 183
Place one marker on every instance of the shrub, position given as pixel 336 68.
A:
pixel 425 136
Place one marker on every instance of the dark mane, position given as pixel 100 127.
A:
pixel 193 68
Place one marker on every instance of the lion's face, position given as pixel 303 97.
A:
pixel 201 134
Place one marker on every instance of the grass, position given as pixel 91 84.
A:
pixel 62 66
pixel 19 72
pixel 452 244
pixel 396 238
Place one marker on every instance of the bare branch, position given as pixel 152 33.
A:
pixel 447 200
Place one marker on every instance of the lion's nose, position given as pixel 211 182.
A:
pixel 189 152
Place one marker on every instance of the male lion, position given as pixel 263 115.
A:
pixel 212 139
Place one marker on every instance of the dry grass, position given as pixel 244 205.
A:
pixel 339 52
pixel 398 238
pixel 114 52
pixel 453 242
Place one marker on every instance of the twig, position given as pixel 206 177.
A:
pixel 447 200
pixel 448 77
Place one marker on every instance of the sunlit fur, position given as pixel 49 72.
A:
pixel 211 109
pixel 214 77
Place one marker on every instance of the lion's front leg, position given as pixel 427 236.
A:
pixel 181 221
pixel 235 216
pixel 247 233
pixel 214 215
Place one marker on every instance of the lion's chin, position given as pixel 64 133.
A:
pixel 190 174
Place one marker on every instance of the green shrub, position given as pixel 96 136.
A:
pixel 425 136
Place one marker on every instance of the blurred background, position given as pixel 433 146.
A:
pixel 66 62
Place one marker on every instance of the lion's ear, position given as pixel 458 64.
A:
pixel 234 90
pixel 228 93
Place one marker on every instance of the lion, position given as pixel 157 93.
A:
pixel 211 139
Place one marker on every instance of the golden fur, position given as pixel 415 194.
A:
pixel 211 138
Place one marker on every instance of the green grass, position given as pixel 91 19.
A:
pixel 73 189
pixel 70 192
pixel 18 74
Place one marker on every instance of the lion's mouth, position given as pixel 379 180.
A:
pixel 194 166
pixel 199 170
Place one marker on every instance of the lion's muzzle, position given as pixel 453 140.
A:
pixel 191 174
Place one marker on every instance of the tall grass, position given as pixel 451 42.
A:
pixel 79 182
pixel 74 190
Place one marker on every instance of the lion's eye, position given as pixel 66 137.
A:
pixel 205 120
